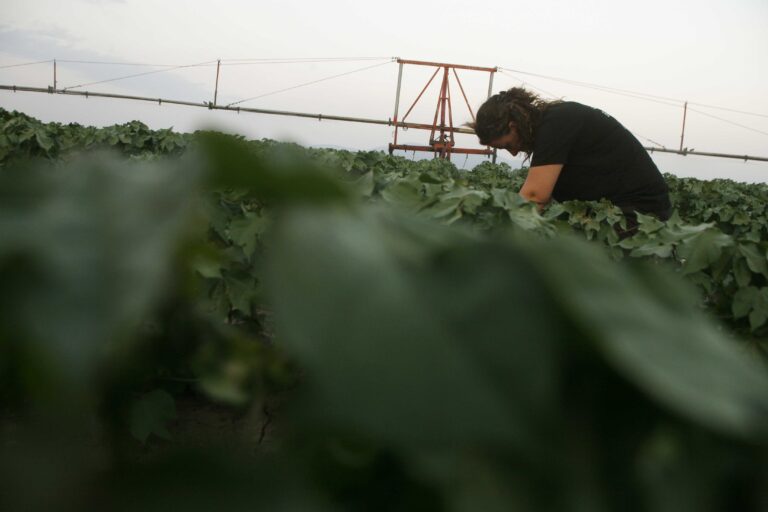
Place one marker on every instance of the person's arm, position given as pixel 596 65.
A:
pixel 540 182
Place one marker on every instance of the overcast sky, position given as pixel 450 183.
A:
pixel 711 53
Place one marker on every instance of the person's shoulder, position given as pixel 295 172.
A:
pixel 566 111
pixel 568 107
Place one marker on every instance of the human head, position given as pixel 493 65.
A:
pixel 515 109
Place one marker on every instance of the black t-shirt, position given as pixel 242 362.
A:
pixel 601 159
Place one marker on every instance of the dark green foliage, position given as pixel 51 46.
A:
pixel 738 209
pixel 23 137
pixel 435 342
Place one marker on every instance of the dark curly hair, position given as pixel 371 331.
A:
pixel 516 105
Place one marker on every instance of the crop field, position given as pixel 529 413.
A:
pixel 201 322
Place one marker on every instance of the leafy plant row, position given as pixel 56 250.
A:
pixel 456 350
pixel 23 137
pixel 727 259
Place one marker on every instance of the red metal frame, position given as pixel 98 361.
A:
pixel 442 142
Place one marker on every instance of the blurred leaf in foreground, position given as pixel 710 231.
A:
pixel 85 250
pixel 438 346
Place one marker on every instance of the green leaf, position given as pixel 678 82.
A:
pixel 471 200
pixel 43 140
pixel 417 342
pixel 406 194
pixel 245 232
pixel 703 249
pixel 743 301
pixel 509 199
pixel 432 190
pixel 755 258
pixel 27 134
pixel 486 317
pixel 648 223
pixel 649 329
pixel 759 314
pixel 658 249
pixel 241 290
pixel 278 176
pixel 444 208
pixel 151 414
pixel 100 237
pixel 741 272
pixel 740 219
pixel 207 264
pixel 365 184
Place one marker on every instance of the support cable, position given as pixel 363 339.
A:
pixel 642 96
pixel 310 83
pixel 636 94
pixel 228 62
pixel 26 64
pixel 639 136
pixel 137 75
pixel 624 92
pixel 247 62
pixel 107 63
pixel 728 121
pixel 639 96
pixel 596 86
pixel 729 109
pixel 256 61
pixel 524 83
pixel 612 90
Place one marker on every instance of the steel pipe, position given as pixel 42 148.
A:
pixel 417 126
pixel 686 152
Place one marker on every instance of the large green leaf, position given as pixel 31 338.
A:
pixel 743 301
pixel 43 140
pixel 89 249
pixel 741 272
pixel 759 314
pixel 410 333
pixel 643 321
pixel 280 177
pixel 647 326
pixel 702 250
pixel 756 259
pixel 405 194
pixel 245 231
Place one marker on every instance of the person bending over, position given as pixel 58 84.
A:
pixel 576 152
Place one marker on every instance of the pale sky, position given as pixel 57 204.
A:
pixel 707 52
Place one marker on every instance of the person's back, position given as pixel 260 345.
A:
pixel 578 152
pixel 601 159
